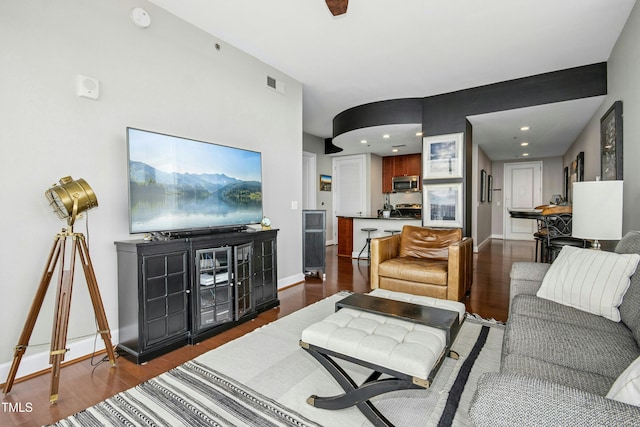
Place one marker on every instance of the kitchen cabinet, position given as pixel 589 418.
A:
pixel 345 236
pixel 404 165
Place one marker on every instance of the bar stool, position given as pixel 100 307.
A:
pixel 367 244
pixel 392 231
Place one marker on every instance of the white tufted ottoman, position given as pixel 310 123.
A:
pixel 388 332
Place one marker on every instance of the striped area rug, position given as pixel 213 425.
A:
pixel 264 379
pixel 190 395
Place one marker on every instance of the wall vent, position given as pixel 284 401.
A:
pixel 275 84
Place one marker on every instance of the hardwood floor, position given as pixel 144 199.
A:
pixel 83 385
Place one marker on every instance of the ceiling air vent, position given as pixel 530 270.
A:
pixel 275 84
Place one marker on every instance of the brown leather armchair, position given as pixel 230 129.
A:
pixel 423 261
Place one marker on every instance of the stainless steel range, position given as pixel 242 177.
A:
pixel 409 210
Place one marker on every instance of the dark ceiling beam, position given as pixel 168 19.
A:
pixel 391 112
pixel 329 148
pixel 447 113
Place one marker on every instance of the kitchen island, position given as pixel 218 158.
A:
pixel 351 239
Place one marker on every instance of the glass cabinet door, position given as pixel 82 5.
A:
pixel 243 278
pixel 214 286
pixel 264 278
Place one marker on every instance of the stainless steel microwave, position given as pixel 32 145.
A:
pixel 405 183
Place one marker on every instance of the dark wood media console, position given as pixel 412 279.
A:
pixel 184 290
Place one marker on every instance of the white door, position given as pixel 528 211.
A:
pixel 522 190
pixel 309 180
pixel 349 187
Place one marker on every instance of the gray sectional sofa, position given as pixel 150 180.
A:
pixel 558 363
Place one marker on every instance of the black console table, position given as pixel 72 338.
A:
pixel 181 291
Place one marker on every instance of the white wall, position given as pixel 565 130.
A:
pixel 376 198
pixel 324 164
pixel 167 78
pixel 481 211
pixel 623 69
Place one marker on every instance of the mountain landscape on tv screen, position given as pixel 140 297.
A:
pixel 164 201
pixel 149 180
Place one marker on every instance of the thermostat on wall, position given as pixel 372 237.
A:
pixel 140 17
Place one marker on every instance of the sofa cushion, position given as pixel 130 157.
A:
pixel 521 400
pixel 627 387
pixel 423 242
pixel 594 281
pixel 630 307
pixel 415 270
pixel 573 346
pixel 532 306
pixel 587 381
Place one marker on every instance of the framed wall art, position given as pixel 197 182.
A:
pixel 565 188
pixel 611 143
pixel 577 174
pixel 442 156
pixel 442 205
pixel 483 185
pixel 325 182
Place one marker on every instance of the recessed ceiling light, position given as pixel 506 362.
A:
pixel 386 136
pixel 395 150
pixel 524 144
pixel 525 154
pixel 525 128
pixel 364 141
pixel 418 133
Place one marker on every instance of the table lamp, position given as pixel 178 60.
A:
pixel 597 211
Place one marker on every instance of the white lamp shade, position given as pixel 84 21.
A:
pixel 597 210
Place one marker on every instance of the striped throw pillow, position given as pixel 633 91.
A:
pixel 589 280
pixel 627 387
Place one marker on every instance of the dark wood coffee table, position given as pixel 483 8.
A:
pixel 446 320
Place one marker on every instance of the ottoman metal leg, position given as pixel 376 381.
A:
pixel 355 395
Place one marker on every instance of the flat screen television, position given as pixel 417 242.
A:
pixel 183 186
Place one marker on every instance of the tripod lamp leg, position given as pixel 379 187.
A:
pixel 96 299
pixel 36 305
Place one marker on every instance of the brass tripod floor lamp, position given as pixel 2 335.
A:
pixel 69 199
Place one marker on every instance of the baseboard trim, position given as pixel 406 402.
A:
pixel 477 247
pixel 286 282
pixel 38 363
